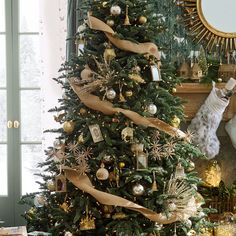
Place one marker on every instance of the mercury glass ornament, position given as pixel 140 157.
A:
pixel 115 10
pixel 111 94
pixel 152 109
pixel 102 173
pixel 138 189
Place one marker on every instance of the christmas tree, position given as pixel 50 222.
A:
pixel 121 165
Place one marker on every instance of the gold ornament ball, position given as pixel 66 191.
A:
pixel 129 93
pixel 174 90
pixel 121 165
pixel 219 80
pixel 68 127
pixel 51 185
pixel 109 54
pixel 81 138
pixel 142 20
pixel 175 122
pixel 110 23
pixel 82 111
pixel 191 166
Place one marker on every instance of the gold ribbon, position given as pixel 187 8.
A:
pixel 84 184
pixel 95 103
pixel 126 45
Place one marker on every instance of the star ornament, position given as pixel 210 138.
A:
pixel 156 150
pixel 169 149
pixel 189 136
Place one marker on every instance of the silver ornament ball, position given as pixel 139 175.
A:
pixel 111 94
pixel 188 223
pixel 138 190
pixel 39 200
pixel 110 23
pixel 152 109
pixel 115 10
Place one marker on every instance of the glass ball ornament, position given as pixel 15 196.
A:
pixel 68 233
pixel 102 173
pixel 39 200
pixel 138 189
pixel 152 109
pixel 142 20
pixel 115 10
pixel 219 80
pixel 111 94
pixel 191 166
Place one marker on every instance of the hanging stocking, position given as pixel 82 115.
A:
pixel 207 120
pixel 230 127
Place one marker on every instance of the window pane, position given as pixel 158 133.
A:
pixel 29 15
pixel 2 15
pixel 31 115
pixel 29 61
pixel 3 117
pixel 3 168
pixel 31 155
pixel 3 61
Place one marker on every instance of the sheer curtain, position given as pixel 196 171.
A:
pixel 53 33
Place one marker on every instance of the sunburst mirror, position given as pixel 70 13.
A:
pixel 211 22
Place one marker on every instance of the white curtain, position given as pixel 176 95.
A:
pixel 53 53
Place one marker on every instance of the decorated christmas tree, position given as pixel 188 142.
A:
pixel 120 165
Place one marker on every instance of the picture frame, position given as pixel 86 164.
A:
pixel 142 161
pixel 96 133
pixel 156 73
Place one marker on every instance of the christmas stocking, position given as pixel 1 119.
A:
pixel 206 122
pixel 230 127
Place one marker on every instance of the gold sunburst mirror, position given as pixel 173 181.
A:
pixel 211 22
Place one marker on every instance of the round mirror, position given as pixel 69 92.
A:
pixel 220 14
pixel 212 22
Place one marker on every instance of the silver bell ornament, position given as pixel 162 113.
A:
pixel 111 94
pixel 152 109
pixel 115 10
pixel 138 189
pixel 39 200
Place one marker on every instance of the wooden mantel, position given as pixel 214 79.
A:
pixel 195 94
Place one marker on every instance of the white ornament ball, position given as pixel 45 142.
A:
pixel 138 189
pixel 111 94
pixel 201 214
pixel 102 173
pixel 152 109
pixel 110 23
pixel 39 200
pixel 115 10
pixel 191 232
pixel 172 206
pixel 67 233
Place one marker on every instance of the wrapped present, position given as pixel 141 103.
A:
pixel 39 233
pixel 13 231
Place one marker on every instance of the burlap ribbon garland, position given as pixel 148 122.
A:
pixel 126 45
pixel 95 103
pixel 83 183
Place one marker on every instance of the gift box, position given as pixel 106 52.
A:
pixel 39 233
pixel 13 231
